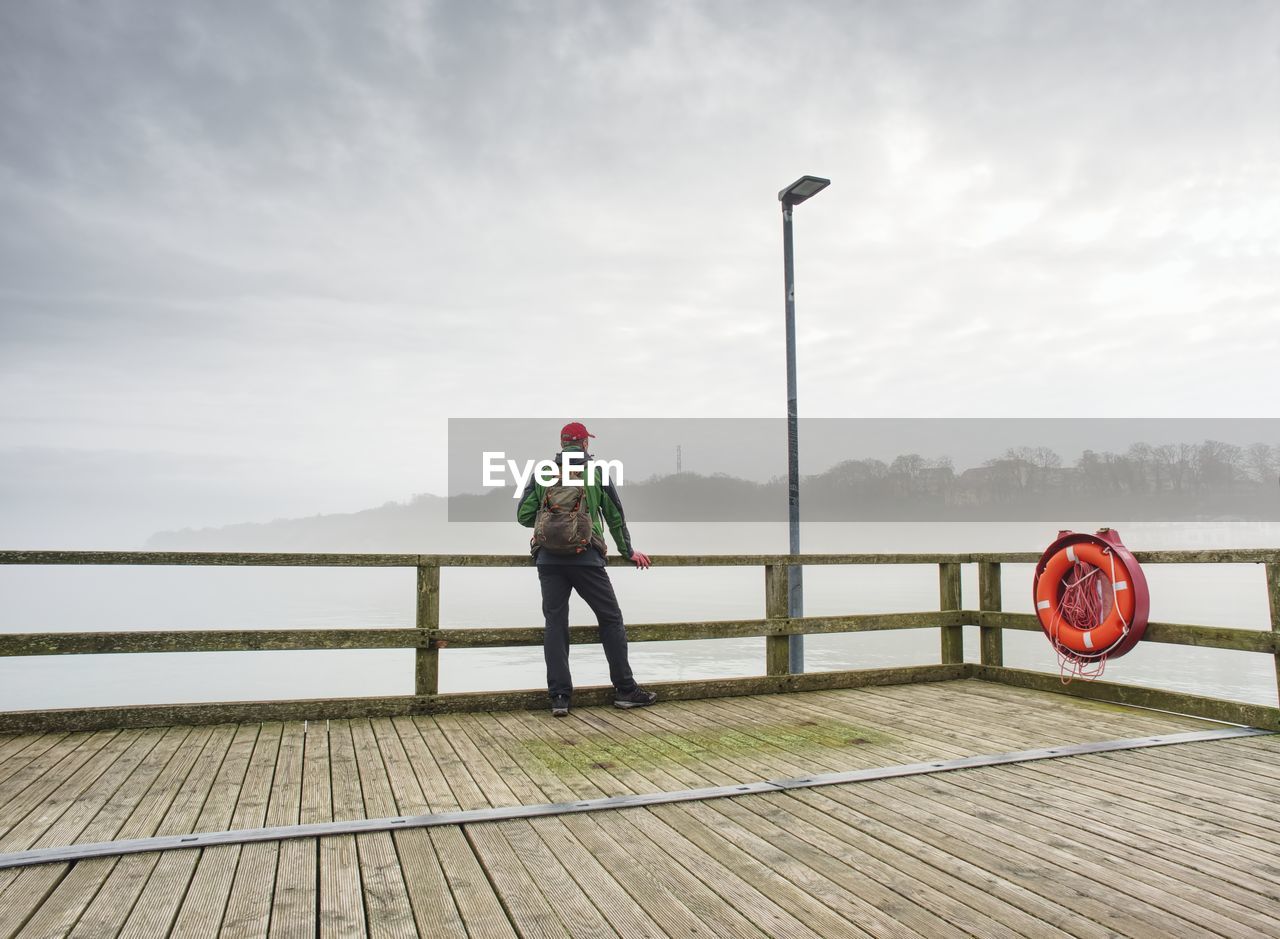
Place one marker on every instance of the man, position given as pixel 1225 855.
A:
pixel 569 550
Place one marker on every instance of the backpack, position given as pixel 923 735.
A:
pixel 563 525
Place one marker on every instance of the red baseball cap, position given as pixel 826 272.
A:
pixel 574 431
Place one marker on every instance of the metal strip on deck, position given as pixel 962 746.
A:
pixel 361 826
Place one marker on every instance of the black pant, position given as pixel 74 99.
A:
pixel 594 586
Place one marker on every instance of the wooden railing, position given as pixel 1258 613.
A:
pixel 427 638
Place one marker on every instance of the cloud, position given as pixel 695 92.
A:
pixel 310 232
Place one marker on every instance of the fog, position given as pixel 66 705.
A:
pixel 255 256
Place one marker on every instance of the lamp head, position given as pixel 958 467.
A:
pixel 806 187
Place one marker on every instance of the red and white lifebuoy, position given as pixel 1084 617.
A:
pixel 1091 596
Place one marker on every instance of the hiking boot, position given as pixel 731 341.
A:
pixel 560 706
pixel 637 697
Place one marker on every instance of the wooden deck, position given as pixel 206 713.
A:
pixel 1181 840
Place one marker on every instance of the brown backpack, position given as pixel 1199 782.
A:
pixel 563 525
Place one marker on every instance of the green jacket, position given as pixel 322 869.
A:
pixel 602 502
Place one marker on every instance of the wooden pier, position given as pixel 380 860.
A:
pixel 1172 840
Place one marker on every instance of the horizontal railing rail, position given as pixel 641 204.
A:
pixel 427 637
pixel 288 559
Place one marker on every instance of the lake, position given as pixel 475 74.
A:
pixel 35 599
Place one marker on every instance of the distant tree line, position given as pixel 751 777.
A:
pixel 1211 467
pixel 1212 480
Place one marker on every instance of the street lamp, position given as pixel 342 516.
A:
pixel 806 187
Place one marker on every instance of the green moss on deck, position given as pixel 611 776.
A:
pixel 571 751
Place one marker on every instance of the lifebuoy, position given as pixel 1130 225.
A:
pixel 1091 596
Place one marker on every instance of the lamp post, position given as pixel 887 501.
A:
pixel 803 188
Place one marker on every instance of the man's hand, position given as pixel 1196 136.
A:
pixel 641 560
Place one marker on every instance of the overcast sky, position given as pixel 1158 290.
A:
pixel 254 255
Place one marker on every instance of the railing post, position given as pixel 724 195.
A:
pixel 989 598
pixel 1273 594
pixel 427 661
pixel 777 649
pixel 949 597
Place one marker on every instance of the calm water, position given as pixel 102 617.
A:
pixel 66 599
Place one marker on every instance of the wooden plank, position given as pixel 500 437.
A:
pixel 706 560
pixel 1253 847
pixel 799 730
pixel 777 649
pixel 341 906
pixel 429 893
pixel 167 715
pixel 627 848
pixel 906 896
pixel 749 887
pixel 57 815
pixel 1161 897
pixel 1209 637
pixel 209 558
pixel 46 804
pixel 386 898
pixel 171 806
pixel 1234 712
pixel 1117 720
pixel 1021 718
pixel 41 743
pixel 663 906
pixel 156 908
pixel 465 791
pixel 26 788
pixel 624 915
pixel 549 875
pixel 294 902
pixel 11 744
pixel 277 559
pixel 949 587
pixel 1000 852
pixel 990 599
pixel 1121 791
pixel 205 905
pixel 720 730
pixel 1212 556
pixel 473 762
pixel 536 699
pixel 974 723
pixel 402 794
pixel 640 746
pixel 208 640
pixel 855 884
pixel 796 888
pixel 270 796
pixel 422 761
pixel 548 786
pixel 1141 839
pixel 1273 604
pixel 532 915
pixel 21 899
pixel 680 906
pixel 959 873
pixel 427 659
pixel 1178 882
pixel 58 914
pixel 651 873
